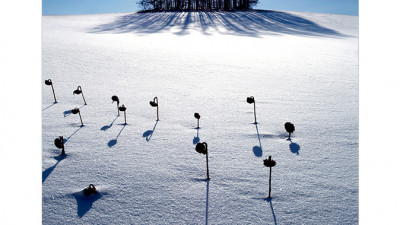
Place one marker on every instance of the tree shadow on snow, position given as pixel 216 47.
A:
pixel 113 142
pixel 244 23
pixel 84 202
pixel 106 127
pixel 149 133
pixel 49 170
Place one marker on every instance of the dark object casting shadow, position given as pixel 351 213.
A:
pixel 84 202
pixel 114 141
pixel 245 23
pixel 106 127
pixel 149 133
pixel 49 170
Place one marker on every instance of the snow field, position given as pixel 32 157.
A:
pixel 311 81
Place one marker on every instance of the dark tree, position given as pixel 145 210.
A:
pixel 227 5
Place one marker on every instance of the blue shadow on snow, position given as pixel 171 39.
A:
pixel 149 133
pixel 84 202
pixel 244 23
pixel 49 170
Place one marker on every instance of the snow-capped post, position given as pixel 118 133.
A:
pixel 123 109
pixel 90 190
pixel 49 82
pixel 154 103
pixel 79 91
pixel 251 100
pixel 197 116
pixel 59 143
pixel 75 111
pixel 269 163
pixel 289 127
pixel 115 98
pixel 203 149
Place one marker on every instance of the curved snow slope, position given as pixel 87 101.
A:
pixel 300 67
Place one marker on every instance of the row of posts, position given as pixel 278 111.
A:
pixel 201 148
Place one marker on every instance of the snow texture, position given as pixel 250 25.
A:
pixel 300 67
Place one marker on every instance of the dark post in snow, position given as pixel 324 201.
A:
pixel 79 91
pixel 49 82
pixel 203 149
pixel 154 103
pixel 75 111
pixel 269 163
pixel 115 98
pixel 123 109
pixel 289 127
pixel 251 100
pixel 59 143
pixel 90 190
pixel 197 116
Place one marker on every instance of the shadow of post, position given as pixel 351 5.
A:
pixel 106 127
pixel 49 170
pixel 49 106
pixel 196 139
pixel 84 202
pixel 149 133
pixel 272 209
pixel 113 142
pixel 65 140
pixel 257 150
pixel 208 186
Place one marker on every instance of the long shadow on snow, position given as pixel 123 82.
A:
pixel 106 127
pixel 196 139
pixel 257 150
pixel 114 141
pixel 65 140
pixel 208 187
pixel 49 106
pixel 149 133
pixel 272 209
pixel 49 170
pixel 246 23
pixel 84 202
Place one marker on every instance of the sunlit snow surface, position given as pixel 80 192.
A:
pixel 300 67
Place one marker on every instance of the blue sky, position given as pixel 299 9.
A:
pixel 62 7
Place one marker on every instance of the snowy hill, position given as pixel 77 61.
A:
pixel 300 67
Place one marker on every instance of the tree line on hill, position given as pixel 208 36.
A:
pixel 162 5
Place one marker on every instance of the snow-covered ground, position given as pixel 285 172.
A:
pixel 300 67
